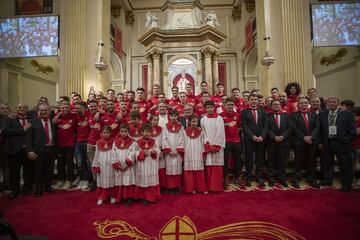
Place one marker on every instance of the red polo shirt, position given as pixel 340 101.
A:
pixel 232 123
pixel 83 127
pixel 66 130
pixel 94 134
pixel 110 120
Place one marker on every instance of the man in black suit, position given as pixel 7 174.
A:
pixel 306 140
pixel 188 112
pixel 255 128
pixel 14 130
pixel 278 143
pixel 337 132
pixel 40 147
pixel 4 168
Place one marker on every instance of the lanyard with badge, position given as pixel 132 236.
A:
pixel 332 126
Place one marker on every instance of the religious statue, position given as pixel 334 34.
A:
pixel 182 82
pixel 211 19
pixel 151 20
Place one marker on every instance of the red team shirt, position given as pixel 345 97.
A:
pixel 66 131
pixel 231 130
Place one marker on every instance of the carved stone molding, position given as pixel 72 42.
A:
pixel 156 53
pixel 216 55
pixel 334 58
pixel 250 5
pixel 129 17
pixel 207 51
pixel 236 13
pixel 115 11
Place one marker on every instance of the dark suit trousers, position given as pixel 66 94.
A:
pixel 235 150
pixel 15 163
pixel 66 163
pixel 254 151
pixel 343 155
pixel 277 156
pixel 306 152
pixel 44 167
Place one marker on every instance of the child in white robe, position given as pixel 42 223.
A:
pixel 147 167
pixel 173 146
pixel 102 167
pixel 214 142
pixel 194 176
pixel 157 134
pixel 124 159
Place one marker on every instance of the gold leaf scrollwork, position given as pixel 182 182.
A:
pixel 334 58
pixel 184 228
pixel 41 68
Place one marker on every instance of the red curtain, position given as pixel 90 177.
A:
pixel 144 77
pixel 222 74
pixel 118 41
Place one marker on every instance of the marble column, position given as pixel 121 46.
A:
pixel 207 52
pixel 149 75
pixel 215 69
pixel 72 52
pixel 83 24
pixel 297 42
pixel 286 22
pixel 156 54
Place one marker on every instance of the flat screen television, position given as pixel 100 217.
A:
pixel 33 36
pixel 336 24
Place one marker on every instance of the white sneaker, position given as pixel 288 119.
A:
pixel 85 186
pixel 76 181
pixel 113 200
pixel 58 185
pixel 66 186
pixel 99 202
pixel 80 185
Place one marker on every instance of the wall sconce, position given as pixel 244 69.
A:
pixel 100 63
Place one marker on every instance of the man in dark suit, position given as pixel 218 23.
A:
pixel 40 147
pixel 14 130
pixel 4 168
pixel 255 128
pixel 337 132
pixel 188 112
pixel 278 143
pixel 306 140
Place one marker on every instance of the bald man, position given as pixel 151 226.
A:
pixel 15 130
pixel 40 148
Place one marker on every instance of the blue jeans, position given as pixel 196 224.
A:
pixel 82 163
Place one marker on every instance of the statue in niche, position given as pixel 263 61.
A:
pixel 211 19
pixel 181 84
pixel 151 20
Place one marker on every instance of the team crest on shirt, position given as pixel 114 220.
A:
pixel 113 126
pixel 84 123
pixel 66 126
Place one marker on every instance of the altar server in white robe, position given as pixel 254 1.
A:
pixel 102 167
pixel 124 159
pixel 194 173
pixel 147 167
pixel 173 150
pixel 214 142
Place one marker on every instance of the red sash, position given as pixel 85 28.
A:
pixel 105 145
pixel 193 133
pixel 146 143
pixel 123 143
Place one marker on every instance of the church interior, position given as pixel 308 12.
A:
pixel 96 45
pixel 231 51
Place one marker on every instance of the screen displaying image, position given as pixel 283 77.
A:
pixel 336 24
pixel 29 36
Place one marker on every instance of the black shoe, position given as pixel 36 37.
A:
pixel 314 184
pixel 93 187
pixel 296 184
pixel 248 183
pixel 284 184
pixel 38 193
pixel 145 202
pixel 261 182
pixel 345 188
pixel 49 189
pixel 14 195
pixel 326 184
pixel 271 183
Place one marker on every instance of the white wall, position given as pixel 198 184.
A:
pixel 339 79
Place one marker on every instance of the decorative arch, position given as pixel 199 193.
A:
pixel 117 78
